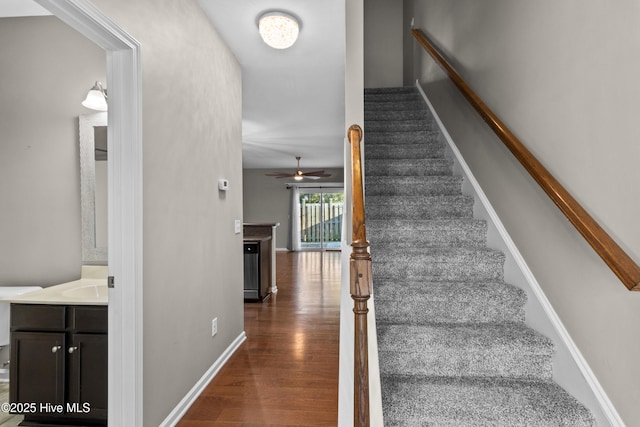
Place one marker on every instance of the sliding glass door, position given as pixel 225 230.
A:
pixel 321 219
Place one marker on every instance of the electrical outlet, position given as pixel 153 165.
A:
pixel 238 226
pixel 214 327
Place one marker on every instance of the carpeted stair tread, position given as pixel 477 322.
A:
pixel 413 186
pixel 475 350
pixel 479 402
pixel 398 234
pixel 440 264
pixel 408 167
pixel 409 207
pixel 422 302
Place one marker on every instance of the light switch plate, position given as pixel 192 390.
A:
pixel 238 226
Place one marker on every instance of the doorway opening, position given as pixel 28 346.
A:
pixel 320 216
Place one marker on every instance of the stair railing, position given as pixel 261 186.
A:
pixel 612 254
pixel 361 284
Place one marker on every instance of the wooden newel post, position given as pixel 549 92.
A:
pixel 361 283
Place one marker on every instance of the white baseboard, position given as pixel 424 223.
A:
pixel 178 412
pixel 605 412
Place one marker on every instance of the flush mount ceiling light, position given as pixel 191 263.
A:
pixel 96 98
pixel 278 29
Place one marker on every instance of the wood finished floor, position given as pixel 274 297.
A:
pixel 6 419
pixel 286 372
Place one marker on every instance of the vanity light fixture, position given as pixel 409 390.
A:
pixel 278 29
pixel 96 98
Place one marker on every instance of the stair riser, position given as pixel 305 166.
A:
pixel 406 152
pixel 446 271
pixel 407 239
pixel 403 208
pixel 417 310
pixel 504 350
pixel 471 364
pixel 460 233
pixel 422 302
pixel 417 137
pixel 393 89
pixel 382 115
pixel 391 97
pixel 436 212
pixel 398 186
pixel 416 104
pixel 430 167
pixel 399 126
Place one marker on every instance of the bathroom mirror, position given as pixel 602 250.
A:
pixel 93 187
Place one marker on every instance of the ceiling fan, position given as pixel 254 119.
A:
pixel 298 175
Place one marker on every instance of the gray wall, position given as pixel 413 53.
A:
pixel 266 199
pixel 46 70
pixel 192 112
pixel 383 47
pixel 561 76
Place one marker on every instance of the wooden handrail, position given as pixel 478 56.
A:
pixel 361 284
pixel 613 255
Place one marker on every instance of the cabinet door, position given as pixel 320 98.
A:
pixel 88 375
pixel 37 368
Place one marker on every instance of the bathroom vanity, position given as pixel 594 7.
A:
pixel 58 369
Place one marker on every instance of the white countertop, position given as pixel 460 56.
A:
pixel 90 289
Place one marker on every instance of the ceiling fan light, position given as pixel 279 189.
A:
pixel 278 29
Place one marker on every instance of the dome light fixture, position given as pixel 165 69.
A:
pixel 278 29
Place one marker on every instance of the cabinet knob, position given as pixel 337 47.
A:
pixel 55 348
pixel 72 349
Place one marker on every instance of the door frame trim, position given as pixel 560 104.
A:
pixel 124 82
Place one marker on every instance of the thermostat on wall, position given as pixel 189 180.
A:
pixel 223 184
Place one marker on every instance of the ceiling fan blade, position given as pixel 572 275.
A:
pixel 316 173
pixel 314 177
pixel 279 174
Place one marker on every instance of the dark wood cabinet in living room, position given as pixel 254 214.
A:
pixel 58 369
pixel 259 261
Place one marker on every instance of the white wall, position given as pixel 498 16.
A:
pixel 383 47
pixel 47 69
pixel 191 91
pixel 561 75
pixel 266 199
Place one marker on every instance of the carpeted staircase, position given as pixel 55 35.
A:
pixel 453 346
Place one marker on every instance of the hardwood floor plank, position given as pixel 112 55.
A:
pixel 286 372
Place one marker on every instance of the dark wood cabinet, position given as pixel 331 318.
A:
pixel 259 261
pixel 257 269
pixel 38 364
pixel 58 370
